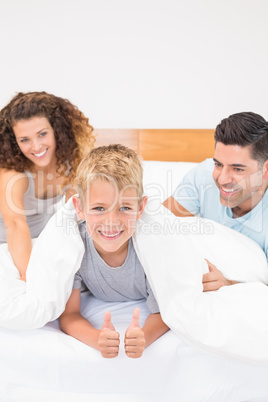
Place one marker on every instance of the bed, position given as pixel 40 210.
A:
pixel 44 364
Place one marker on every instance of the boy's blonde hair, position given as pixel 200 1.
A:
pixel 114 163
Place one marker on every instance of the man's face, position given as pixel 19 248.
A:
pixel 238 177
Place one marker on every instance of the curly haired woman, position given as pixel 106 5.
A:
pixel 42 140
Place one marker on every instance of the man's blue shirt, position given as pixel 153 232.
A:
pixel 199 194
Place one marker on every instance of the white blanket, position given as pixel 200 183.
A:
pixel 231 321
pixel 46 365
pixel 56 256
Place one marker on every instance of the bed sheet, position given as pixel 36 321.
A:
pixel 48 365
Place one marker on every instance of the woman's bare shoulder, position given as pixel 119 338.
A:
pixel 7 175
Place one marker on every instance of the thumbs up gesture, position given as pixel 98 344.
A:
pixel 214 279
pixel 134 337
pixel 108 341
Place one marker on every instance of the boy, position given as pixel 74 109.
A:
pixel 110 202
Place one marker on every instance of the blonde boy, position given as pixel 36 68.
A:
pixel 110 202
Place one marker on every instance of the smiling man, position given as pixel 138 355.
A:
pixel 231 188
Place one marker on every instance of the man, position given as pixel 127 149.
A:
pixel 231 188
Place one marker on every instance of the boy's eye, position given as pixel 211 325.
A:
pixel 125 209
pixel 217 164
pixel 98 209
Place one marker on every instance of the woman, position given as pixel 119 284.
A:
pixel 42 140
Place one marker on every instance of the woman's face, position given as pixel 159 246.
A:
pixel 36 140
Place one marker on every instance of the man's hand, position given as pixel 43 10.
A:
pixel 23 277
pixel 108 341
pixel 214 279
pixel 134 337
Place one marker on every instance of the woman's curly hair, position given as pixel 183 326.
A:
pixel 73 133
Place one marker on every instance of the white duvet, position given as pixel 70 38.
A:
pixel 56 256
pixel 231 321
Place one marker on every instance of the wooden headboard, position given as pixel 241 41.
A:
pixel 186 145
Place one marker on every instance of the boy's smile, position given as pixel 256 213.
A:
pixel 110 216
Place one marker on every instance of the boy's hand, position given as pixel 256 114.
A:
pixel 108 341
pixel 134 337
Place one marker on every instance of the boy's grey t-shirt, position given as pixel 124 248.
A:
pixel 125 283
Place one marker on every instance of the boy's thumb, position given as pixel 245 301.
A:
pixel 107 321
pixel 135 319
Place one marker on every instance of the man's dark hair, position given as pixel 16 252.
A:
pixel 245 129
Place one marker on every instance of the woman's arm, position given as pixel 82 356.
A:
pixel 13 186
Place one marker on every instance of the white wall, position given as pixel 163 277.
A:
pixel 140 63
